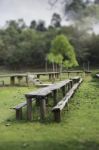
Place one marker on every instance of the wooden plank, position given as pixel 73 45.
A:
pixel 42 109
pixel 29 109
pixel 20 105
pixel 12 80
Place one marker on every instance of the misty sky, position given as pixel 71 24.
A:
pixel 26 9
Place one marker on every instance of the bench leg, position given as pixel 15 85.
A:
pixel 57 115
pixel 42 109
pixel 19 114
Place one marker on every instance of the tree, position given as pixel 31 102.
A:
pixel 51 59
pixel 41 26
pixel 33 24
pixel 61 45
pixel 56 20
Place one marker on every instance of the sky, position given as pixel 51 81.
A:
pixel 29 10
pixel 26 9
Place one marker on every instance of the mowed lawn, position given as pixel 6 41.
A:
pixel 79 129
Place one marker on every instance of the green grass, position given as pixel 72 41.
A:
pixel 79 129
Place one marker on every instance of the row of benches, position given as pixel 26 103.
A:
pixel 41 94
pixel 61 104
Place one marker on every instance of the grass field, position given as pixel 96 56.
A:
pixel 79 129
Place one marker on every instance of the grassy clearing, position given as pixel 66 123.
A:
pixel 79 129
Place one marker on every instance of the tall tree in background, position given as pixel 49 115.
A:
pixel 56 20
pixel 41 26
pixel 63 50
pixel 33 24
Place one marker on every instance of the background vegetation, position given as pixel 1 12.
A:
pixel 22 46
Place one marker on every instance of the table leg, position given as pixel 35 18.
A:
pixel 55 97
pixel 63 90
pixel 27 82
pixel 42 109
pixel 29 109
pixel 12 80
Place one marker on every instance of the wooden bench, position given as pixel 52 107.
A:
pixel 75 79
pixel 60 105
pixel 18 110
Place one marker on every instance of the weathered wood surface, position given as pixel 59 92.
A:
pixel 59 107
pixel 18 110
pixel 20 105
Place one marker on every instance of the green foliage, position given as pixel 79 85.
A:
pixel 61 46
pixel 22 46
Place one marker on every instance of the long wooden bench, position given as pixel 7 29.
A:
pixel 61 104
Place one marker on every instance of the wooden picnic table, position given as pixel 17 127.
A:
pixel 50 74
pixel 13 76
pixel 25 75
pixel 41 96
pixel 74 71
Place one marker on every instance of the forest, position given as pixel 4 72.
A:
pixel 22 46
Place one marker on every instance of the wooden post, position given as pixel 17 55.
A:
pixel 19 80
pixel 57 115
pixel 49 76
pixel 63 90
pixel 19 114
pixel 71 83
pixel 27 82
pixel 29 109
pixel 12 80
pixel 55 97
pixel 42 109
pixel 68 74
pixel 38 76
pixel 57 75
pixel 69 86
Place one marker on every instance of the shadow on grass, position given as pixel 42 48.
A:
pixel 50 145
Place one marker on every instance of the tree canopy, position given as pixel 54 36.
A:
pixel 63 51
